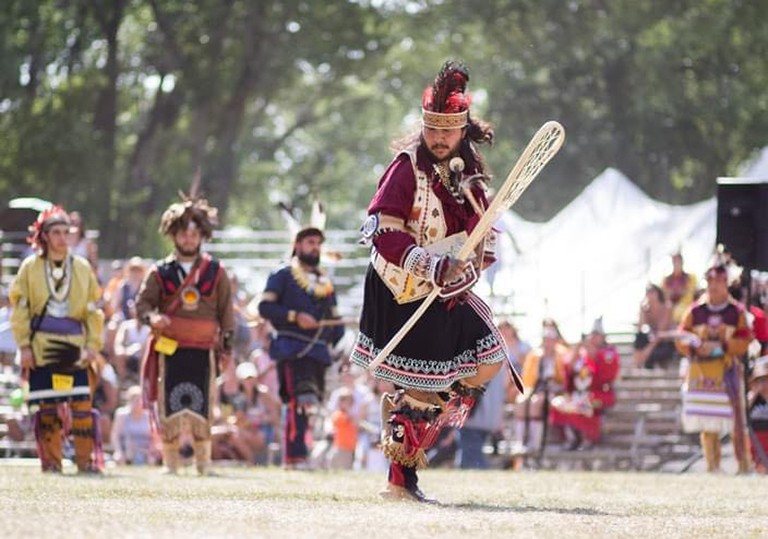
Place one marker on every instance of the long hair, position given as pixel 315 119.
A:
pixel 477 132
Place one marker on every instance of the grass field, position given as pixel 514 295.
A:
pixel 269 502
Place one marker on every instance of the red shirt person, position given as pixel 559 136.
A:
pixel 589 390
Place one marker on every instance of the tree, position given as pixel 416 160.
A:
pixel 657 90
pixel 113 106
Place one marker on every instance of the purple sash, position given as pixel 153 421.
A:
pixel 61 326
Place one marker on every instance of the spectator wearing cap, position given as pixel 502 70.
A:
pixel 253 423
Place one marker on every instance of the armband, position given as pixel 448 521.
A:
pixel 377 224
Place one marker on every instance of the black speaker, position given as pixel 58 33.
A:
pixel 742 220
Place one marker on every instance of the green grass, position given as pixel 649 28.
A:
pixel 259 502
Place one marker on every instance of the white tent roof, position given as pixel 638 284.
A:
pixel 595 257
pixel 758 167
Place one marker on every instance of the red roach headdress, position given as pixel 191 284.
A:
pixel 55 215
pixel 445 104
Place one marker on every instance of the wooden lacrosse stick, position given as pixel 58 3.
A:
pixel 338 322
pixel 540 150
pixel 466 188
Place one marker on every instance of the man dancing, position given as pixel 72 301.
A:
pixel 421 211
pixel 58 330
pixel 297 300
pixel 187 301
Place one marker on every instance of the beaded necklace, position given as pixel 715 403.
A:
pixel 58 278
pixel 444 175
pixel 321 287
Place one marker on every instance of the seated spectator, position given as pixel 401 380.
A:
pixel 562 347
pixel 543 373
pixel 132 437
pixel 130 342
pixel 589 390
pixel 246 434
pixel 516 347
pixel 679 287
pixel 654 345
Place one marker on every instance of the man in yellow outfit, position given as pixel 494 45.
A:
pixel 58 328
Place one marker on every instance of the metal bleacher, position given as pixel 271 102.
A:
pixel 641 432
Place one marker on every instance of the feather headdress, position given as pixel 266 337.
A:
pixel 191 211
pixel 445 104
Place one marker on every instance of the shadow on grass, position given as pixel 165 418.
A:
pixel 480 507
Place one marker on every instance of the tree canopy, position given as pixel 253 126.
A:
pixel 111 107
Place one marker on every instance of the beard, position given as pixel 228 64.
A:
pixel 187 252
pixel 309 259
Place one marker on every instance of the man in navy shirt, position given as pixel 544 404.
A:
pixel 299 300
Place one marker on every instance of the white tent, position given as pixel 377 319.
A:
pixel 595 257
pixel 757 167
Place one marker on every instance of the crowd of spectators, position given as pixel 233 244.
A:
pixel 568 386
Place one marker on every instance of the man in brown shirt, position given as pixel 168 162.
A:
pixel 187 301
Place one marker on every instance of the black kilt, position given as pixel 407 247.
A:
pixel 446 344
